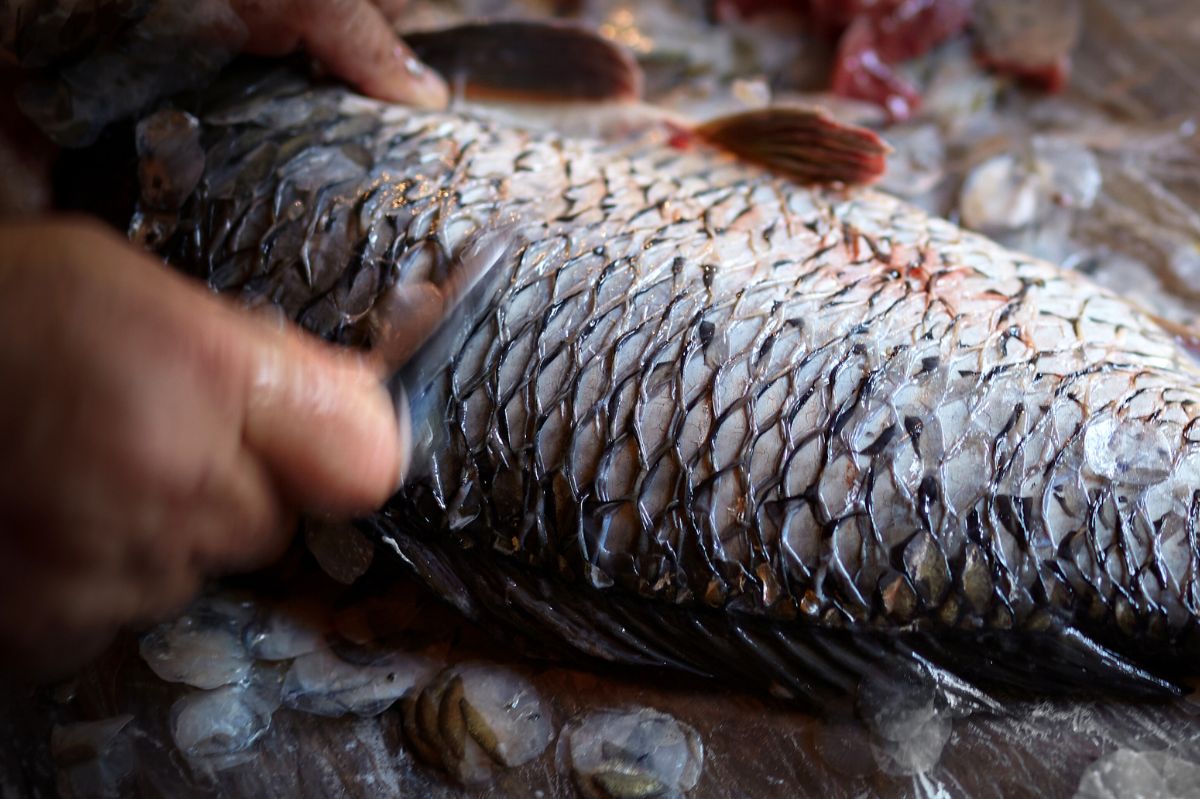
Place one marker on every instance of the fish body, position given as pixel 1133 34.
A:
pixel 710 419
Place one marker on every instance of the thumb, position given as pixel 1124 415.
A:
pixel 322 421
pixel 354 39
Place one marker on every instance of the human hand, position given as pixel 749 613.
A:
pixel 354 39
pixel 153 436
pixel 74 99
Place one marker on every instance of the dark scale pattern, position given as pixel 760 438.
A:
pixel 709 410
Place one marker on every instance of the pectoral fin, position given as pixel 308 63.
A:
pixel 529 61
pixel 806 145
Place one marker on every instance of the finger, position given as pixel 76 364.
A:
pixel 402 320
pixel 26 156
pixel 356 42
pixel 42 658
pixel 253 529
pixel 316 420
pixel 234 522
pixel 308 421
pixel 53 622
pixel 270 25
pixel 51 600
pixel 166 594
pixel 392 9
pixel 321 421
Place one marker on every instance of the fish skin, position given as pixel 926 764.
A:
pixel 717 421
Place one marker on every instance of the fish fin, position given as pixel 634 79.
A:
pixel 424 563
pixel 816 667
pixel 961 694
pixel 530 61
pixel 1062 661
pixel 806 145
pixel 1186 336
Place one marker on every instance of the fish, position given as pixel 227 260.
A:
pixel 701 410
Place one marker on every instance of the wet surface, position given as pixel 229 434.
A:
pixel 308 686
pixel 500 725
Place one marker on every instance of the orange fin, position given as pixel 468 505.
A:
pixel 806 145
pixel 1185 335
pixel 530 61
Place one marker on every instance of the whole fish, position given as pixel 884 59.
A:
pixel 700 415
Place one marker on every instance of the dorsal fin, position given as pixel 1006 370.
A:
pixel 530 61
pixel 804 144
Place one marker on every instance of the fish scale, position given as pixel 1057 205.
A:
pixel 715 420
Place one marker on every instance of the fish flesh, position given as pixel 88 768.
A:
pixel 701 416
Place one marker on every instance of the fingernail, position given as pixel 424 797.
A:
pixel 271 315
pixel 420 85
pixel 403 433
pixel 411 65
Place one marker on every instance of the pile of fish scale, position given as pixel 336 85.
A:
pixel 714 420
pixel 237 661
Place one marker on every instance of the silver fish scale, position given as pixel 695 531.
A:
pixel 708 388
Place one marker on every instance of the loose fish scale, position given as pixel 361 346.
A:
pixel 706 387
